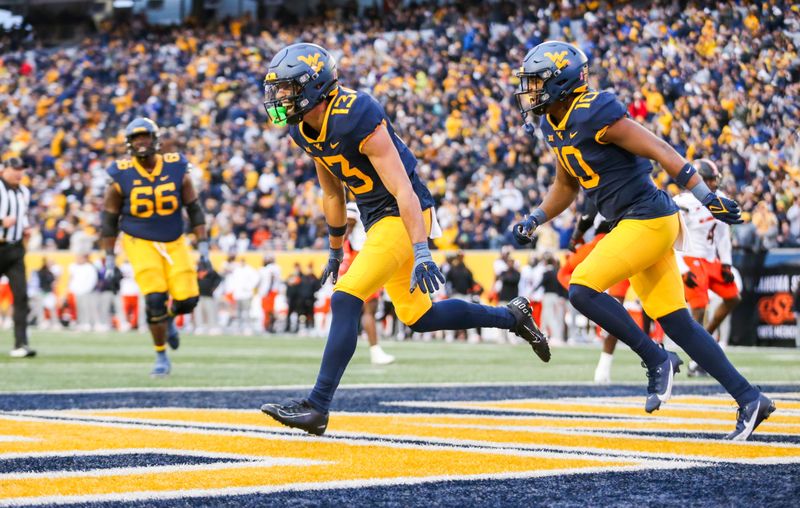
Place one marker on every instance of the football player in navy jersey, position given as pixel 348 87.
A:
pixel 145 200
pixel 353 144
pixel 599 149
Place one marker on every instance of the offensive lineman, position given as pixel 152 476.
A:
pixel 144 200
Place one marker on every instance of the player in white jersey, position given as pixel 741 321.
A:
pixel 356 236
pixel 707 263
pixel 269 283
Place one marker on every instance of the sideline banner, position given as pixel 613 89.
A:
pixel 767 316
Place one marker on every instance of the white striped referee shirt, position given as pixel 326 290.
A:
pixel 13 203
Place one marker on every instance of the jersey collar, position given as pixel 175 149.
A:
pixel 324 130
pixel 563 123
pixel 151 176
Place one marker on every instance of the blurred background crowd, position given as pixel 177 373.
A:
pixel 246 299
pixel 719 81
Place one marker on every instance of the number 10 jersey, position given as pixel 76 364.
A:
pixel 616 180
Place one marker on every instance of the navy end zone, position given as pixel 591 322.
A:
pixel 490 445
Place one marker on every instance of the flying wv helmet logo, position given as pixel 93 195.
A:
pixel 313 61
pixel 560 59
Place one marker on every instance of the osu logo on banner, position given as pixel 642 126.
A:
pixel 776 309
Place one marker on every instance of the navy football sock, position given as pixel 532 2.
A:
pixel 702 348
pixel 612 316
pixel 460 315
pixel 342 339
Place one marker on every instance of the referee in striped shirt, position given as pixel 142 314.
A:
pixel 14 201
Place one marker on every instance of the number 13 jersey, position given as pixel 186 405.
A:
pixel 616 180
pixel 151 201
pixel 351 118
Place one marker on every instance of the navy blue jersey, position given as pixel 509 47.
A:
pixel 349 121
pixel 617 181
pixel 151 201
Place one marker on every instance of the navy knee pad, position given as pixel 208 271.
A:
pixel 155 306
pixel 184 306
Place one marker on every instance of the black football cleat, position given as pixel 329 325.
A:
pixel 749 416
pixel 526 328
pixel 298 414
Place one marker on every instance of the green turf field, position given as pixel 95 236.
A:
pixel 69 360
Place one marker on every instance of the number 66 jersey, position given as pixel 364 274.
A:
pixel 350 120
pixel 616 180
pixel 151 201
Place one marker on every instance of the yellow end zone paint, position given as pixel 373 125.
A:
pixel 343 460
pixel 375 446
pixel 599 408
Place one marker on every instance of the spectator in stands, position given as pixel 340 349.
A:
pixel 206 314
pixel 437 94
pixel 47 275
pixel 269 283
pixel 104 294
pixel 241 284
pixel 553 302
pixel 81 285
pixel 309 285
pixel 460 284
pixel 128 316
pixel 293 299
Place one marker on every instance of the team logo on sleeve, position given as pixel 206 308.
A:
pixel 560 58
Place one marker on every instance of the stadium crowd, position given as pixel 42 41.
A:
pixel 719 81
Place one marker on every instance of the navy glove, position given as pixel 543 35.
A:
pixel 723 209
pixel 425 273
pixel 727 274
pixel 690 279
pixel 335 258
pixel 524 230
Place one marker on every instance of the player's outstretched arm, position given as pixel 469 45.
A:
pixel 386 161
pixel 334 208
pixel 638 140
